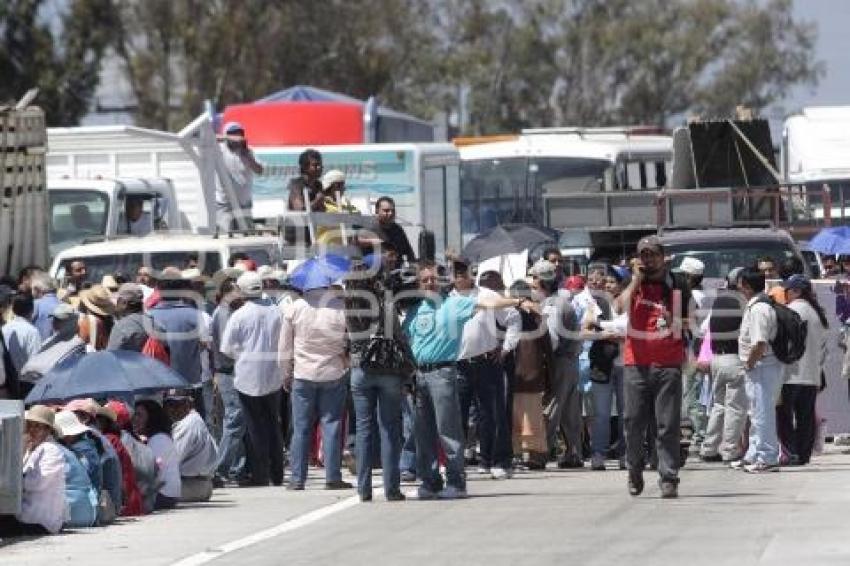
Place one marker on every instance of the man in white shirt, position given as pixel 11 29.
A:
pixel 194 445
pixel 481 373
pixel 136 221
pixel 251 339
pixel 763 374
pixel 241 166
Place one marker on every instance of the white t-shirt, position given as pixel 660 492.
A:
pixel 806 370
pixel 43 500
pixel 168 464
pixel 241 177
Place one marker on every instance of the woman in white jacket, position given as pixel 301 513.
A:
pixel 796 413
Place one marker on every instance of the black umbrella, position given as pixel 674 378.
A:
pixel 508 239
pixel 105 374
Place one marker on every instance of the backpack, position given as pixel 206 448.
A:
pixel 789 345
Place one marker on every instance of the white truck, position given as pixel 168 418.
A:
pixel 176 173
pixel 815 153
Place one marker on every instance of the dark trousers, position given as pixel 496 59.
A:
pixel 795 419
pixel 648 388
pixel 265 446
pixel 485 382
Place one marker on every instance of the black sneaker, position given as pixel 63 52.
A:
pixel 396 496
pixel 365 497
pixel 635 483
pixel 570 462
pixel 338 484
pixel 669 489
pixel 408 477
pixel 295 486
pixel 712 458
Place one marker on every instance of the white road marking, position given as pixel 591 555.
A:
pixel 285 527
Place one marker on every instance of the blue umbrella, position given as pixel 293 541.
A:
pixel 319 272
pixel 118 373
pixel 831 241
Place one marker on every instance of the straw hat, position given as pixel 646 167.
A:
pixel 98 300
pixel 66 423
pixel 40 414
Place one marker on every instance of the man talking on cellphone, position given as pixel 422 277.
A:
pixel 241 166
pixel 657 303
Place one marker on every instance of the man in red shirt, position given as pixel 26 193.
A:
pixel 657 302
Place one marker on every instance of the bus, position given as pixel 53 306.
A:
pixel 523 180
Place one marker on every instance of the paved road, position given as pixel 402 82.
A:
pixel 798 516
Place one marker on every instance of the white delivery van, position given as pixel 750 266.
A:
pixel 422 178
pixel 158 251
pixel 81 210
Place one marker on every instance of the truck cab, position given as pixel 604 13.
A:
pixel 96 209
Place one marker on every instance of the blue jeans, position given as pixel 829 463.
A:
pixel 407 461
pixel 231 448
pixel 485 381
pixel 324 400
pixel 763 384
pixel 381 394
pixel 438 424
pixel 603 394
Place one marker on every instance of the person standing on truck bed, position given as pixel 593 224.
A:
pixel 241 166
pixel 310 163
pixel 386 229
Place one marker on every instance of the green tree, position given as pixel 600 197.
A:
pixel 60 55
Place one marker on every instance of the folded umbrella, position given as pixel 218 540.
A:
pixel 508 239
pixel 831 241
pixel 118 373
pixel 319 272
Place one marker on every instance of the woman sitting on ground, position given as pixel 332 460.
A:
pixel 43 507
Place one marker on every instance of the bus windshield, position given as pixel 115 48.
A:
pixel 76 215
pixel 510 190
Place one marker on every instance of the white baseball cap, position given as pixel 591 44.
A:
pixel 692 266
pixel 250 283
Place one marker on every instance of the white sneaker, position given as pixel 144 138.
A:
pixel 452 492
pixel 501 473
pixel 739 464
pixel 483 470
pixel 761 468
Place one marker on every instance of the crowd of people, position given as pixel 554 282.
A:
pixel 421 371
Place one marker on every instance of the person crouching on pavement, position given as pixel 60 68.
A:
pixel 657 302
pixel 195 447
pixel 434 327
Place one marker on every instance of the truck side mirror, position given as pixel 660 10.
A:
pixel 427 245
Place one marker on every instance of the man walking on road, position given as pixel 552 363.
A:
pixel 657 302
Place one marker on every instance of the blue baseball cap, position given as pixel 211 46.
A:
pixel 798 282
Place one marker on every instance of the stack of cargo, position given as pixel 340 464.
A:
pixel 23 191
pixel 11 455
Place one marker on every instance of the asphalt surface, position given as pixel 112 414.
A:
pixel 797 516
